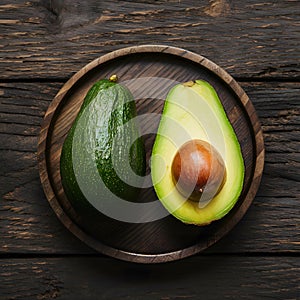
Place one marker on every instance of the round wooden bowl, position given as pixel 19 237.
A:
pixel 166 239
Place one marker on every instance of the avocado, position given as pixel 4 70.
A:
pixel 103 151
pixel 194 124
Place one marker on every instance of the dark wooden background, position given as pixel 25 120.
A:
pixel 43 43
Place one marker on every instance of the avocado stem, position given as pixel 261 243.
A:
pixel 113 78
pixel 189 83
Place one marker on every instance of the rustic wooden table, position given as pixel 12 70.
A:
pixel 43 43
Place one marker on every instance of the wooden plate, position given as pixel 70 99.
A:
pixel 166 239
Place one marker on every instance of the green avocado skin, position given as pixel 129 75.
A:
pixel 99 123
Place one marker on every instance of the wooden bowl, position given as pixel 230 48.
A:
pixel 166 239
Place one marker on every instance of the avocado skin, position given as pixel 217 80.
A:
pixel 196 107
pixel 106 107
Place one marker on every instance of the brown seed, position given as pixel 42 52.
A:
pixel 197 168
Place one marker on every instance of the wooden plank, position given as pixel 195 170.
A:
pixel 207 277
pixel 28 225
pixel 54 39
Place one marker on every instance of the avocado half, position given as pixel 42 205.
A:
pixel 193 110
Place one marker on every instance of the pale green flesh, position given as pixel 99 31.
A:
pixel 195 113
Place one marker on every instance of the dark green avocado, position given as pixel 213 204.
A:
pixel 103 151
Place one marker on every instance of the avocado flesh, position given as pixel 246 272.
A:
pixel 193 111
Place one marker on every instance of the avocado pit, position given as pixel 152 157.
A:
pixel 197 168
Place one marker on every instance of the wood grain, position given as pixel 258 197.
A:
pixel 28 225
pixel 54 39
pixel 43 43
pixel 212 277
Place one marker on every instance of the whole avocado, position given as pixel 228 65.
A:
pixel 102 149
